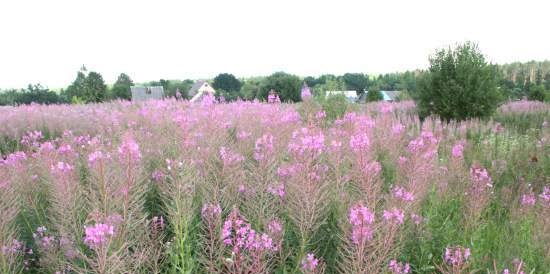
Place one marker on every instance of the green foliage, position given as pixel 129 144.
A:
pixel 94 88
pixel 538 93
pixel 374 96
pixel 459 85
pixel 287 86
pixel 356 81
pixel 250 90
pixel 121 88
pixel 32 94
pixel 227 82
pixel 335 106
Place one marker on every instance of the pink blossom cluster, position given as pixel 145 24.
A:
pixel 310 263
pixel 545 196
pixel 456 256
pixel 98 234
pixel 263 147
pixel 32 138
pixel 211 211
pixel 361 219
pixel 61 168
pixel 397 129
pixel 399 268
pixel 14 248
pixel 277 190
pixel 96 156
pixel 528 199
pixel 426 141
pixel 394 215
pixel 14 159
pixel 129 149
pixel 480 177
pixel 402 194
pixel 359 142
pixel 240 235
pixel 305 92
pixel 305 142
pixel 157 175
pixel 458 150
pixel 273 99
pixel 229 157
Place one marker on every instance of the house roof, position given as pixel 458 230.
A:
pixel 388 95
pixel 195 88
pixel 347 93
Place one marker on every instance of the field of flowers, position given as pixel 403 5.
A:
pixel 248 187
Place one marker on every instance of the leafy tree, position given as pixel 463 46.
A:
pixel 250 90
pixel 76 88
pixel 121 88
pixel 374 96
pixel 228 83
pixel 287 86
pixel 459 85
pixel 94 88
pixel 547 81
pixel 356 81
pixel 537 92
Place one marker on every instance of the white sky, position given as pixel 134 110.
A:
pixel 47 41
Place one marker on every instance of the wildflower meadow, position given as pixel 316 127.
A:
pixel 267 187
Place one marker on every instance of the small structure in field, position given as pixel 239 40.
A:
pixel 351 95
pixel 199 89
pixel 147 93
pixel 388 96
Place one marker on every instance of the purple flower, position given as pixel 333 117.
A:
pixel 310 263
pixel 399 268
pixel 97 235
pixel 129 149
pixel 305 93
pixel 361 220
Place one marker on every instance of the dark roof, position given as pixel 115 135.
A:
pixel 193 90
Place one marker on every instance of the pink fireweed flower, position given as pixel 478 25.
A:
pixel 361 220
pixel 98 234
pixel 157 175
pixel 305 142
pixel 15 247
pixel 528 199
pixel 305 93
pixel 399 268
pixel 242 135
pixel 211 211
pixel 310 263
pixel 61 168
pixel 480 177
pixel 263 147
pixel 273 99
pixel 416 219
pixel 157 224
pixel 320 115
pixel 208 100
pixel 545 196
pixel 402 194
pixel 274 227
pixel 395 215
pixel 129 149
pixel 456 256
pixel 277 190
pixel 397 129
pixel 240 236
pixel 458 150
pixel 359 142
pixel 95 157
pixel 230 158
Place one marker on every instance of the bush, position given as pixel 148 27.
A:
pixel 538 93
pixel 287 86
pixel 459 85
pixel 374 96
pixel 334 106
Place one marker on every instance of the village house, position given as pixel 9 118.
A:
pixel 147 93
pixel 199 89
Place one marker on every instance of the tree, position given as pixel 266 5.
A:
pixel 356 81
pixel 227 82
pixel 459 85
pixel 250 89
pixel 374 96
pixel 547 81
pixel 121 88
pixel 76 88
pixel 94 88
pixel 537 92
pixel 287 86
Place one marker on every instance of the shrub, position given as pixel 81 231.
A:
pixel 374 96
pixel 459 85
pixel 334 106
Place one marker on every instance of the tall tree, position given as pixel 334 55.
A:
pixel 460 84
pixel 356 81
pixel 94 88
pixel 227 82
pixel 121 88
pixel 286 85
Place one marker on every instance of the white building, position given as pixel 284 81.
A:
pixel 198 89
pixel 351 95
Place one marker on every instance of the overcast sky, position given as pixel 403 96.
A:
pixel 48 41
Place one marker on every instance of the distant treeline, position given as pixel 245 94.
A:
pixel 515 81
